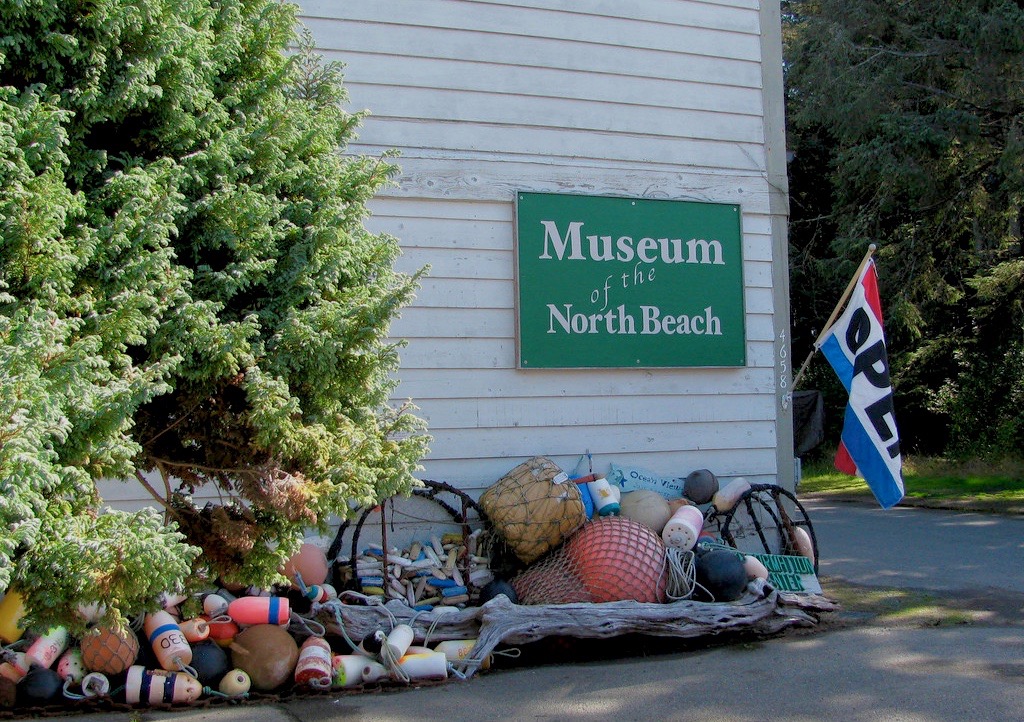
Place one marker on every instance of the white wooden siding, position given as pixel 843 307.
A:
pixel 658 98
pixel 650 98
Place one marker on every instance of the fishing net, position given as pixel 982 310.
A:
pixel 533 508
pixel 612 559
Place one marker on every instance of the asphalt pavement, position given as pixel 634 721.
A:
pixel 867 673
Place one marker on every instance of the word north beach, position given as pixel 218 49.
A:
pixel 649 320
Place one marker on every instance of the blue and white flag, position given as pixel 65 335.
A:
pixel 855 346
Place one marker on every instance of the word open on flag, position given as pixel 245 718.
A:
pixel 855 347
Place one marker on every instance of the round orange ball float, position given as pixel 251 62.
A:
pixel 310 562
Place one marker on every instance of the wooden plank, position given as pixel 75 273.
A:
pixel 418 322
pixel 558 146
pixel 594 411
pixel 680 12
pixel 464 293
pixel 474 474
pixel 489 353
pixel 428 175
pixel 443 383
pixel 649 438
pixel 338 39
pixel 758 300
pixel 399 73
pixel 536 111
pixel 514 25
pixel 457 263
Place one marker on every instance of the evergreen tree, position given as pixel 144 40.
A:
pixel 913 113
pixel 189 298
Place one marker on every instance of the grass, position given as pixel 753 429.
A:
pixel 933 481
pixel 915 608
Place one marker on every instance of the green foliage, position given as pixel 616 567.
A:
pixel 914 115
pixel 188 297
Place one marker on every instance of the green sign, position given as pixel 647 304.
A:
pixel 628 282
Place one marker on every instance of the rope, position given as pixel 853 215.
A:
pixel 388 659
pixel 682 574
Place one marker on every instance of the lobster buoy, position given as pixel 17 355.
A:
pixel 260 610
pixel 313 667
pixel 71 667
pixel 210 662
pixel 683 529
pixel 348 670
pixel 428 666
pixel 802 543
pixel 700 486
pixel 195 630
pixel 171 648
pixel 456 650
pixel 47 647
pixel 12 609
pixel 160 686
pixel 309 563
pixel 109 650
pixel 41 684
pixel 222 630
pixel 235 683
pixel 606 502
pixel 726 497
pixel 721 574
pixel 399 639
pixel 755 568
pixel 214 605
pixel 267 653
pixel 15 668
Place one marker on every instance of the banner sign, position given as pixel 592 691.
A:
pixel 855 347
pixel 608 282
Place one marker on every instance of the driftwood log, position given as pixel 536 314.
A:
pixel 499 621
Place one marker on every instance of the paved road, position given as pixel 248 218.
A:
pixel 919 548
pixel 864 674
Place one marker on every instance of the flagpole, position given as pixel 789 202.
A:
pixel 835 313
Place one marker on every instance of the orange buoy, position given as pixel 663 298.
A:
pixel 310 562
pixel 109 650
pixel 222 630
pixel 260 610
pixel 195 630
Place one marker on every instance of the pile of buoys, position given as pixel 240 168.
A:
pixel 242 643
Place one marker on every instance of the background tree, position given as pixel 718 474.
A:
pixel 189 298
pixel 907 125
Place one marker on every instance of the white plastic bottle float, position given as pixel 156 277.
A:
pixel 424 666
pixel 457 650
pixel 606 502
pixel 683 528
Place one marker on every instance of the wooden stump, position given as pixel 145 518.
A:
pixel 499 621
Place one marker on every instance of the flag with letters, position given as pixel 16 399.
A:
pixel 855 347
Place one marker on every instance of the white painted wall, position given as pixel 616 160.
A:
pixel 652 98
